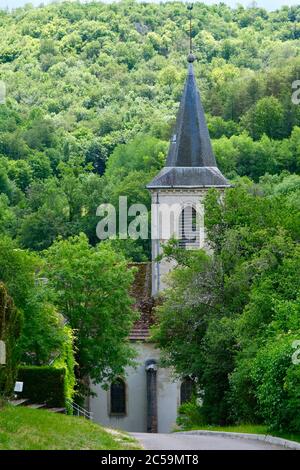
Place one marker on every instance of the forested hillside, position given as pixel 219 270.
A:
pixel 97 85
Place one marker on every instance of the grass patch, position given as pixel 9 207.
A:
pixel 247 428
pixel 24 428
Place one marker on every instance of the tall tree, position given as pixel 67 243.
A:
pixel 92 292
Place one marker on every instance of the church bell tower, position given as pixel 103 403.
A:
pixel 178 191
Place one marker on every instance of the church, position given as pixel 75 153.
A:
pixel 147 398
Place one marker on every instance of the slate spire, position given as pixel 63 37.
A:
pixel 190 144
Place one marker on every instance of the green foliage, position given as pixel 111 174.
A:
pixel 61 207
pixel 66 360
pixel 190 414
pixel 130 249
pixel 142 153
pixel 219 345
pixel 20 172
pixel 56 383
pixel 44 384
pixel 17 269
pixel 7 218
pixel 240 155
pixel 44 336
pixel 91 288
pixel 230 318
pixel 265 117
pixel 40 166
pixel 277 382
pixel 10 330
pixel 129 169
pixel 43 328
pixel 5 183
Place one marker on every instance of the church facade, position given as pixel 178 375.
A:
pixel 147 398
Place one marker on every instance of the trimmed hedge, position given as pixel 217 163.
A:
pixel 44 384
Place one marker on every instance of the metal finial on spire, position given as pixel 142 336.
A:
pixel 191 56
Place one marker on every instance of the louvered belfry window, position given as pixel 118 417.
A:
pixel 118 397
pixel 188 233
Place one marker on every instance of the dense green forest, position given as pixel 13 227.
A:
pixel 92 92
pixel 84 81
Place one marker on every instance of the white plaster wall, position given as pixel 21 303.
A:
pixel 168 400
pixel 168 396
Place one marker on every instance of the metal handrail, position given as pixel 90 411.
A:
pixel 79 410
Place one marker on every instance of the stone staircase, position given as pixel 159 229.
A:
pixel 77 409
pixel 25 402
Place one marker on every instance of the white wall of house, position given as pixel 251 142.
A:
pixel 135 419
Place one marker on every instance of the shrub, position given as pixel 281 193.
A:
pixel 190 414
pixel 277 382
pixel 241 397
pixel 44 384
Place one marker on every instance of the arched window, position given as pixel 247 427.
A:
pixel 186 390
pixel 188 230
pixel 118 397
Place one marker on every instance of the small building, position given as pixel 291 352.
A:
pixel 148 397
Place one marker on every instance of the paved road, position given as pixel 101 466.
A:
pixel 177 441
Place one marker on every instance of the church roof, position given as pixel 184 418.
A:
pixel 190 144
pixel 191 161
pixel 189 177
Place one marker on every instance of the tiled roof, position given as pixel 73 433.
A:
pixel 144 302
